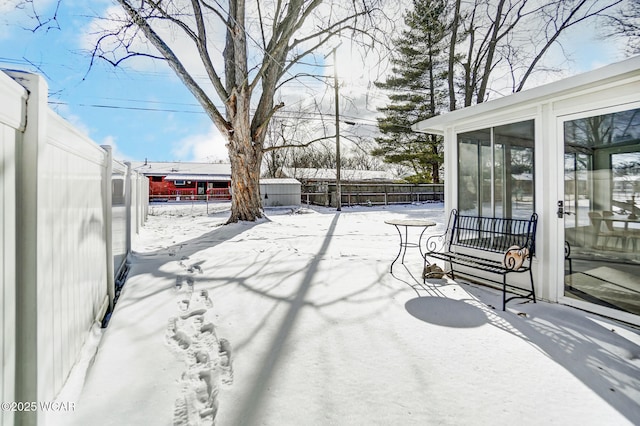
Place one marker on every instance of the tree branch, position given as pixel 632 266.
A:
pixel 177 66
pixel 304 145
pixel 262 127
pixel 201 43
pixel 565 24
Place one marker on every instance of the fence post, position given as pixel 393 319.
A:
pixel 27 254
pixel 128 200
pixel 13 116
pixel 107 202
pixel 326 195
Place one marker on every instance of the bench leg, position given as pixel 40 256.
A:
pixel 533 289
pixel 504 291
pixel 424 268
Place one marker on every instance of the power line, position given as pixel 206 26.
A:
pixel 130 108
pixel 284 114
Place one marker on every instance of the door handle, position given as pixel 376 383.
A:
pixel 561 212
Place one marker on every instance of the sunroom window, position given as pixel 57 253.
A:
pixel 496 171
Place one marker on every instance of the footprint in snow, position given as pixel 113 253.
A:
pixel 208 360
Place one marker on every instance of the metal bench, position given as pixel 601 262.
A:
pixel 469 241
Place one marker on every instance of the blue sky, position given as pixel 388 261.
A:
pixel 147 112
pixel 144 114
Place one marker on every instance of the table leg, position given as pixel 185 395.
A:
pixel 405 243
pixel 420 241
pixel 400 250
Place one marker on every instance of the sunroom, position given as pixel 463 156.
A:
pixel 570 152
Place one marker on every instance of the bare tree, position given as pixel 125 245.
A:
pixel 510 34
pixel 290 135
pixel 264 44
pixel 626 23
pixel 361 159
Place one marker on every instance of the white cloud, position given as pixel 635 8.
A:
pixel 179 43
pixel 65 112
pixel 19 6
pixel 79 125
pixel 8 5
pixel 16 16
pixel 116 153
pixel 209 147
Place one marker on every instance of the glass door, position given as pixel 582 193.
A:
pixel 601 210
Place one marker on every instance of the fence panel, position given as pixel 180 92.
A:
pixel 7 267
pixel 140 201
pixel 71 249
pixel 57 277
pixel 11 110
pixel 371 193
pixel 119 230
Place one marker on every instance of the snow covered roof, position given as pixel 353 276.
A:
pixel 279 181
pixel 198 177
pixel 164 168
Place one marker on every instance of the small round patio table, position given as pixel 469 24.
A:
pixel 404 240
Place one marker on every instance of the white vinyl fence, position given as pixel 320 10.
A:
pixel 11 101
pixel 67 215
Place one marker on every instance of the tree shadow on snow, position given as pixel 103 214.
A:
pixel 261 273
pixel 593 349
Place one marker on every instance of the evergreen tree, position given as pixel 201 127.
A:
pixel 417 90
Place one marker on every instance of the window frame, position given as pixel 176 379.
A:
pixel 490 156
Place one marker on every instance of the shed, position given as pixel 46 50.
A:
pixel 568 151
pixel 280 192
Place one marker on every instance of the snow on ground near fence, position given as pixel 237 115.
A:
pixel 296 320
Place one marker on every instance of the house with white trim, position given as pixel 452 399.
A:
pixel 570 152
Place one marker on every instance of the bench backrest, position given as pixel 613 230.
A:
pixel 493 234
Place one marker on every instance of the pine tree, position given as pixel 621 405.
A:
pixel 417 90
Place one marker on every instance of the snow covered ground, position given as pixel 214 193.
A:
pixel 296 320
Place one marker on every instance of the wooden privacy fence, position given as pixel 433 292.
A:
pixel 372 194
pixel 67 214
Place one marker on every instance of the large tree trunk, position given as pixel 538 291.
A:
pixel 246 203
pixel 245 155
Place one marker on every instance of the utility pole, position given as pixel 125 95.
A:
pixel 335 84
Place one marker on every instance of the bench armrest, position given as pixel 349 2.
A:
pixel 436 242
pixel 514 257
